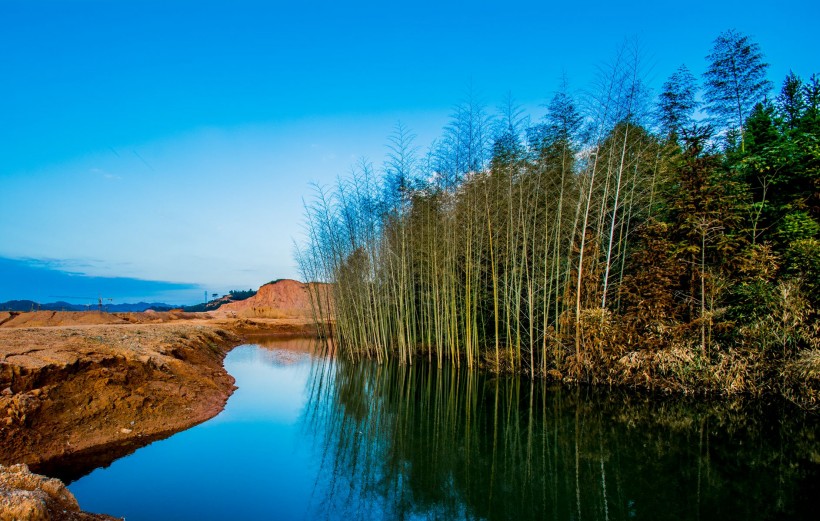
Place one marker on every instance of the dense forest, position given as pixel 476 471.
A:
pixel 665 241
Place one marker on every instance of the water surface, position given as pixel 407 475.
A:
pixel 310 438
pixel 249 462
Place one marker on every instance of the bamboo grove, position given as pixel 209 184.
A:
pixel 618 240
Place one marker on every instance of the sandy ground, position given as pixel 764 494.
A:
pixel 78 387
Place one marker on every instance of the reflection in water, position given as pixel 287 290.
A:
pixel 284 351
pixel 308 437
pixel 404 442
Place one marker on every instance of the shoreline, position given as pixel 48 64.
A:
pixel 71 394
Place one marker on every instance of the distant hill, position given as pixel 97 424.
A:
pixel 30 305
pixel 19 305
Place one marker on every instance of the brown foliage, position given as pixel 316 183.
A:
pixel 648 303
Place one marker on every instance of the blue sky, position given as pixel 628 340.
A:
pixel 173 141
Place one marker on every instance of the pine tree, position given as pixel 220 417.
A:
pixel 790 102
pixel 677 102
pixel 810 122
pixel 561 123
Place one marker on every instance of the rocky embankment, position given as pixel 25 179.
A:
pixel 30 497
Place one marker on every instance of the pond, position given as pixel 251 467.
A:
pixel 306 437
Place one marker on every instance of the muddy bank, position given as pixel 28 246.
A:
pixel 73 391
pixel 80 389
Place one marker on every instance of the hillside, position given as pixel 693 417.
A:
pixel 278 299
pixel 30 305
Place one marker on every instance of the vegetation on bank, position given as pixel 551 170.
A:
pixel 669 243
pixel 235 295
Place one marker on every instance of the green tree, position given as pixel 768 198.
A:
pixel 400 166
pixel 791 102
pixel 561 124
pixel 735 81
pixel 507 146
pixel 810 122
pixel 677 104
pixel 781 165
pixel 466 144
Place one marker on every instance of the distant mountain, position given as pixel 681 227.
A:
pixel 19 305
pixel 30 305
pixel 138 307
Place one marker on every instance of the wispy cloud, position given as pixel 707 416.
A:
pixel 41 279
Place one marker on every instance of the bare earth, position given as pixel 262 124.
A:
pixel 78 387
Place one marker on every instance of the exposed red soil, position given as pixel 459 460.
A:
pixel 284 298
pixel 79 318
pixel 78 387
pixel 74 389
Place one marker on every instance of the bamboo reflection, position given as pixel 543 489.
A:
pixel 420 441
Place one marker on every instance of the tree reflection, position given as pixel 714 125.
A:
pixel 405 442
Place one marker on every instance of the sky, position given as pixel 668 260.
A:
pixel 172 143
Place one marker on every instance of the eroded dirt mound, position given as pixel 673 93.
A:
pixel 281 299
pixel 91 318
pixel 60 318
pixel 32 497
pixel 71 390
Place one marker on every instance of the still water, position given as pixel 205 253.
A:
pixel 306 437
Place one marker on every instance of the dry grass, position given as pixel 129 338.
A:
pixel 683 369
pixel 801 380
pixel 806 366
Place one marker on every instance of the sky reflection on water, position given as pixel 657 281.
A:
pixel 249 462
